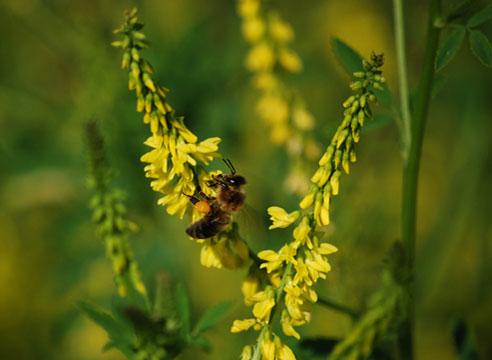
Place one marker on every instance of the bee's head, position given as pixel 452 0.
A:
pixel 234 180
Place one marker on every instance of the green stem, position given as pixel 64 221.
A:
pixel 411 170
pixel 399 27
pixel 338 307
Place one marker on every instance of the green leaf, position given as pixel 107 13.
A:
pixel 350 59
pixel 201 342
pixel 120 336
pixel 450 47
pixel 212 316
pixel 480 17
pixel 183 309
pixel 480 47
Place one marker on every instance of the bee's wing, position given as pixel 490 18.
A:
pixel 252 226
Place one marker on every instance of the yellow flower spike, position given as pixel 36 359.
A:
pixel 281 218
pixel 260 58
pixel 289 60
pixel 253 29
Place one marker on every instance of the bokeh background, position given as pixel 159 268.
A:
pixel 57 70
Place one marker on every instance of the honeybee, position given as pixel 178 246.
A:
pixel 217 211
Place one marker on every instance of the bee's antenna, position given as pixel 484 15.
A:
pixel 228 162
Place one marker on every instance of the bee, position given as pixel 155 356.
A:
pixel 217 211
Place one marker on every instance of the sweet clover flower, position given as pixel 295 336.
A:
pixel 176 158
pixel 278 105
pixel 304 260
pixel 109 215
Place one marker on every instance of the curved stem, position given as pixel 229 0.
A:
pixel 399 28
pixel 411 170
pixel 338 307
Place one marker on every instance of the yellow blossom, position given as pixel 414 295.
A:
pixel 287 327
pixel 265 81
pixel 280 30
pixel 247 353
pixel 273 109
pixel 280 133
pixel 253 29
pixel 289 60
pixel 242 325
pixel 302 231
pixel 286 353
pixel 250 287
pixel 248 8
pixel 303 119
pixel 280 218
pixel 260 58
pixel 209 258
pixel 264 303
pixel 268 348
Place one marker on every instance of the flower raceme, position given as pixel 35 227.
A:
pixel 176 159
pixel 175 155
pixel 303 261
pixel 280 107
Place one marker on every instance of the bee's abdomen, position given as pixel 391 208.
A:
pixel 203 229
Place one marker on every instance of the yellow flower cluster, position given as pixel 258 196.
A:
pixel 278 106
pixel 341 151
pixel 298 265
pixel 175 151
pixel 176 160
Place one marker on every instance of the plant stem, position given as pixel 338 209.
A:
pixel 399 28
pixel 338 307
pixel 411 170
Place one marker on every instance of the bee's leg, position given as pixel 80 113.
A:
pixel 193 198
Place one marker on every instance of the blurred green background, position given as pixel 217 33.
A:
pixel 57 69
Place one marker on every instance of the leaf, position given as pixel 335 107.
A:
pixel 183 309
pixel 450 47
pixel 201 342
pixel 480 17
pixel 119 335
pixel 350 59
pixel 480 47
pixel 438 84
pixel 212 316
